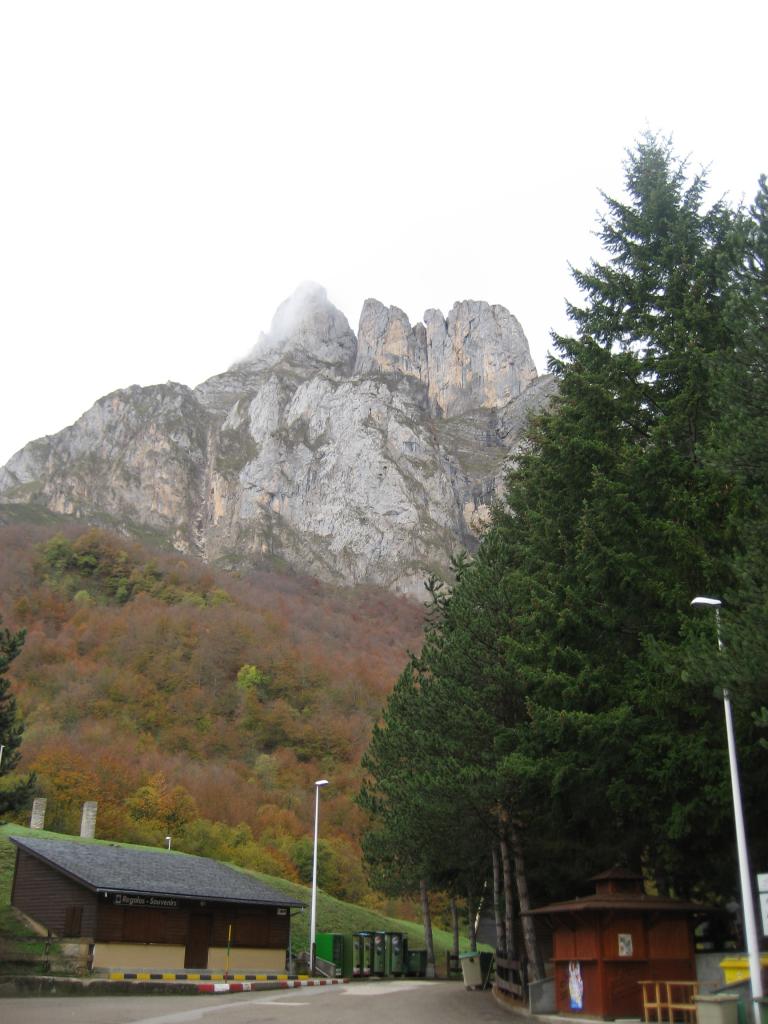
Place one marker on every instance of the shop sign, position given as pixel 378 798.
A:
pixel 160 902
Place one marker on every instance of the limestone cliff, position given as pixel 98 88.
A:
pixel 368 458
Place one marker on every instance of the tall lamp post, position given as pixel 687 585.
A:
pixel 747 903
pixel 313 918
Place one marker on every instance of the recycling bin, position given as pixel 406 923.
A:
pixel 736 968
pixel 471 971
pixel 330 946
pixel 366 945
pixel 718 1008
pixel 347 959
pixel 416 964
pixel 395 949
pixel 357 955
pixel 379 965
pixel 476 968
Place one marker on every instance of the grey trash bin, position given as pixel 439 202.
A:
pixel 471 970
pixel 719 1008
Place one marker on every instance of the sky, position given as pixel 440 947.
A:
pixel 171 171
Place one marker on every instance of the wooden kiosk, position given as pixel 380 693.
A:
pixel 606 944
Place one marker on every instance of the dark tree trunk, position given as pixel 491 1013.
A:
pixel 535 962
pixel 455 926
pixel 501 938
pixel 427 918
pixel 509 898
pixel 471 920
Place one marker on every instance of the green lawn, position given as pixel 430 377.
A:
pixel 17 942
pixel 332 915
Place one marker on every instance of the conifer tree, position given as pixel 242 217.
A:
pixel 566 690
pixel 739 443
pixel 14 792
pixel 615 520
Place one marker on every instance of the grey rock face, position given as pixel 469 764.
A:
pixel 137 455
pixel 478 358
pixel 386 342
pixel 369 459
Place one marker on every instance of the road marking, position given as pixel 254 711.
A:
pixel 205 1010
pixel 188 1015
pixel 374 988
pixel 274 1002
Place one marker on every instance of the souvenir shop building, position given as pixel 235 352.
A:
pixel 151 909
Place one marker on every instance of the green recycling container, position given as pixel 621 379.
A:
pixel 417 963
pixel 330 946
pixel 395 950
pixel 487 965
pixel 357 955
pixel 366 950
pixel 379 965
pixel 347 962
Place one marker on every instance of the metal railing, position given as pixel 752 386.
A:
pixel 326 968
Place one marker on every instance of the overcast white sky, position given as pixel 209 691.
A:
pixel 170 171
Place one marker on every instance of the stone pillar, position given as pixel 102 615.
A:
pixel 88 820
pixel 38 812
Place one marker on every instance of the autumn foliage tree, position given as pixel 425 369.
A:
pixel 193 703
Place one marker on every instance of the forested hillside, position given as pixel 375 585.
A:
pixel 197 704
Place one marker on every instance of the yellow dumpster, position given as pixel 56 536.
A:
pixel 736 968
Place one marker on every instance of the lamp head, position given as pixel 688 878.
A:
pixel 708 602
pixel 322 782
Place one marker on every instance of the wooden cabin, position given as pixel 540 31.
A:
pixel 137 909
pixel 605 944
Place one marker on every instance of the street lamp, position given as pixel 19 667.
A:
pixel 313 918
pixel 747 903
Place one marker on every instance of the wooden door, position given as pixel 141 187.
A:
pixel 198 941
pixel 73 922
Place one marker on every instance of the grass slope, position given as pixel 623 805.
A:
pixel 333 915
pixel 17 941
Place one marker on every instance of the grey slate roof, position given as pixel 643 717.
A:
pixel 108 868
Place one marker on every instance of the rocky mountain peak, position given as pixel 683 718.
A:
pixel 477 358
pixel 308 332
pixel 386 342
pixel 356 459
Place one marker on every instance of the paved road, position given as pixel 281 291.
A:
pixel 397 1002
